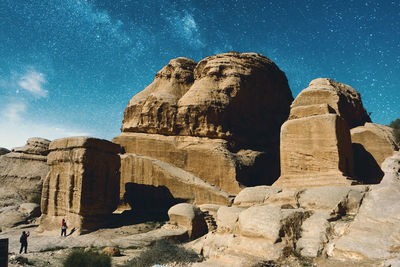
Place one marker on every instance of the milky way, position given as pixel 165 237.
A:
pixel 69 67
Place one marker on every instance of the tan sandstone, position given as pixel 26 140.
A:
pixel 316 147
pixel 315 151
pixel 189 217
pixel 324 96
pixel 372 144
pixel 374 234
pixel 154 109
pixel 23 170
pixel 218 120
pixel 259 232
pixel 82 186
pixel 234 95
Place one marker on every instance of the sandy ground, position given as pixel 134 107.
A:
pixel 50 249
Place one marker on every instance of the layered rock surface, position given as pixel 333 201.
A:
pixel 324 96
pixel 23 170
pixel 372 144
pixel 83 184
pixel 316 146
pixel 218 120
pixel 375 234
pixel 241 96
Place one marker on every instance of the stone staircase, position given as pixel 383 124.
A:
pixel 210 220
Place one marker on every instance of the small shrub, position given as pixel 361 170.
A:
pixel 88 259
pixel 163 252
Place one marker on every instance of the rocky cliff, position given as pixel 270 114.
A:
pixel 23 170
pixel 206 129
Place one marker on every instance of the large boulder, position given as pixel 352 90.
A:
pixel 23 170
pixel 189 217
pixel 372 144
pixel 83 184
pixel 265 232
pixel 374 234
pixel 255 195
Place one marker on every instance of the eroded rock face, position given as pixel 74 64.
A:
pixel 23 170
pixel 325 96
pixel 241 96
pixel 35 146
pixel 316 146
pixel 219 120
pixel 259 231
pixel 209 161
pixel 374 234
pixel 315 151
pixel 83 184
pixel 189 217
pixel 154 109
pixel 372 144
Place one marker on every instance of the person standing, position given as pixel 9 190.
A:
pixel 63 228
pixel 24 241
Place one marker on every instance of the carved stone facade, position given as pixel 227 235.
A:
pixel 83 184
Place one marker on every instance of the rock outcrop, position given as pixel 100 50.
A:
pixel 325 96
pixel 154 109
pixel 259 232
pixel 217 121
pixel 372 144
pixel 244 97
pixel 374 234
pixel 23 170
pixel 83 184
pixel 316 147
pixel 190 217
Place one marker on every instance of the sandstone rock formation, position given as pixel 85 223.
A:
pixel 316 151
pixel 206 129
pixel 259 232
pixel 264 228
pixel 23 170
pixel 374 234
pixel 325 96
pixel 154 109
pixel 232 95
pixel 316 146
pixel 83 184
pixel 372 144
pixel 190 217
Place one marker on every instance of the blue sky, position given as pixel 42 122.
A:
pixel 69 67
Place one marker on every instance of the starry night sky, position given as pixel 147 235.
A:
pixel 69 67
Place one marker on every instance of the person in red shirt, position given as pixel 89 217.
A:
pixel 63 228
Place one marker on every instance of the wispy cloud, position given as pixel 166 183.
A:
pixel 16 134
pixel 33 81
pixel 13 111
pixel 185 26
